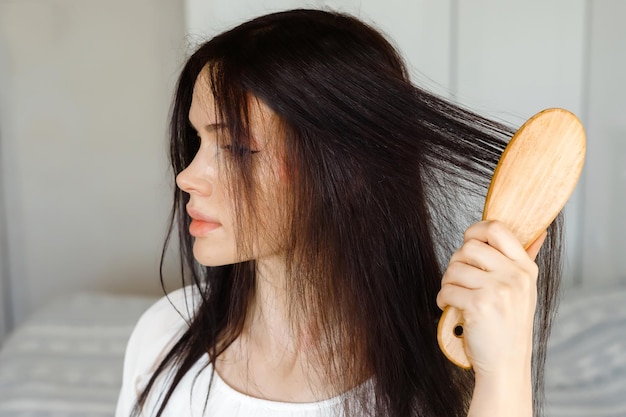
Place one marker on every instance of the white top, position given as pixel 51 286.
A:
pixel 156 331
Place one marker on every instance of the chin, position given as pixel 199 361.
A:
pixel 207 257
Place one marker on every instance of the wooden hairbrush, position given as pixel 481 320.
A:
pixel 533 180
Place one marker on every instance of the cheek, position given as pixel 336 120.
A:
pixel 272 204
pixel 215 250
pixel 275 169
pixel 283 175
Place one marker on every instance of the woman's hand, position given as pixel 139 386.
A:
pixel 492 280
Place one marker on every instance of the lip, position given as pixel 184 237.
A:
pixel 201 225
pixel 196 215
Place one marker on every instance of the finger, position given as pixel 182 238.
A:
pixel 533 249
pixel 481 255
pixel 450 295
pixel 498 236
pixel 463 275
pixel 454 296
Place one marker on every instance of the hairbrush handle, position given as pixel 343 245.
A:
pixel 533 180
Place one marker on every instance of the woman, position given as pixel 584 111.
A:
pixel 320 195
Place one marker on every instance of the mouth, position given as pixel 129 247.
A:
pixel 201 225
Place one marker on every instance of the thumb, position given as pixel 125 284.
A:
pixel 534 247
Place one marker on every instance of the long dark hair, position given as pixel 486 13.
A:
pixel 383 177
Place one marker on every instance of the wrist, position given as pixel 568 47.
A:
pixel 503 392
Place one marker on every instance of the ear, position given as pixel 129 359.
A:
pixel 534 247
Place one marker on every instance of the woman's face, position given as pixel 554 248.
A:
pixel 211 203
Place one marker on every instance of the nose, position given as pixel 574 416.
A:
pixel 198 178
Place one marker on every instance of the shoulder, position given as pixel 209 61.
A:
pixel 175 309
pixel 161 323
pixel 155 333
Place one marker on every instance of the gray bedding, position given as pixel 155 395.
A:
pixel 66 361
pixel 586 372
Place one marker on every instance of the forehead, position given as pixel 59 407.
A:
pixel 204 109
pixel 263 123
pixel 202 102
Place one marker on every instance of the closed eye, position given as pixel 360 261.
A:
pixel 238 150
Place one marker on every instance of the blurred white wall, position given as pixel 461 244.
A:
pixel 509 60
pixel 84 172
pixel 86 186
pixel 604 228
pixel 514 61
pixel 5 306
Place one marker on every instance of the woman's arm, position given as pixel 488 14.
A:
pixel 492 280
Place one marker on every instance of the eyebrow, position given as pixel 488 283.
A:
pixel 211 127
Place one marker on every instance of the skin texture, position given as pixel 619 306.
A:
pixel 268 360
pixel 206 181
pixel 491 278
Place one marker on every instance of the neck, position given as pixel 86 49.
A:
pixel 274 357
pixel 280 354
pixel 271 321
